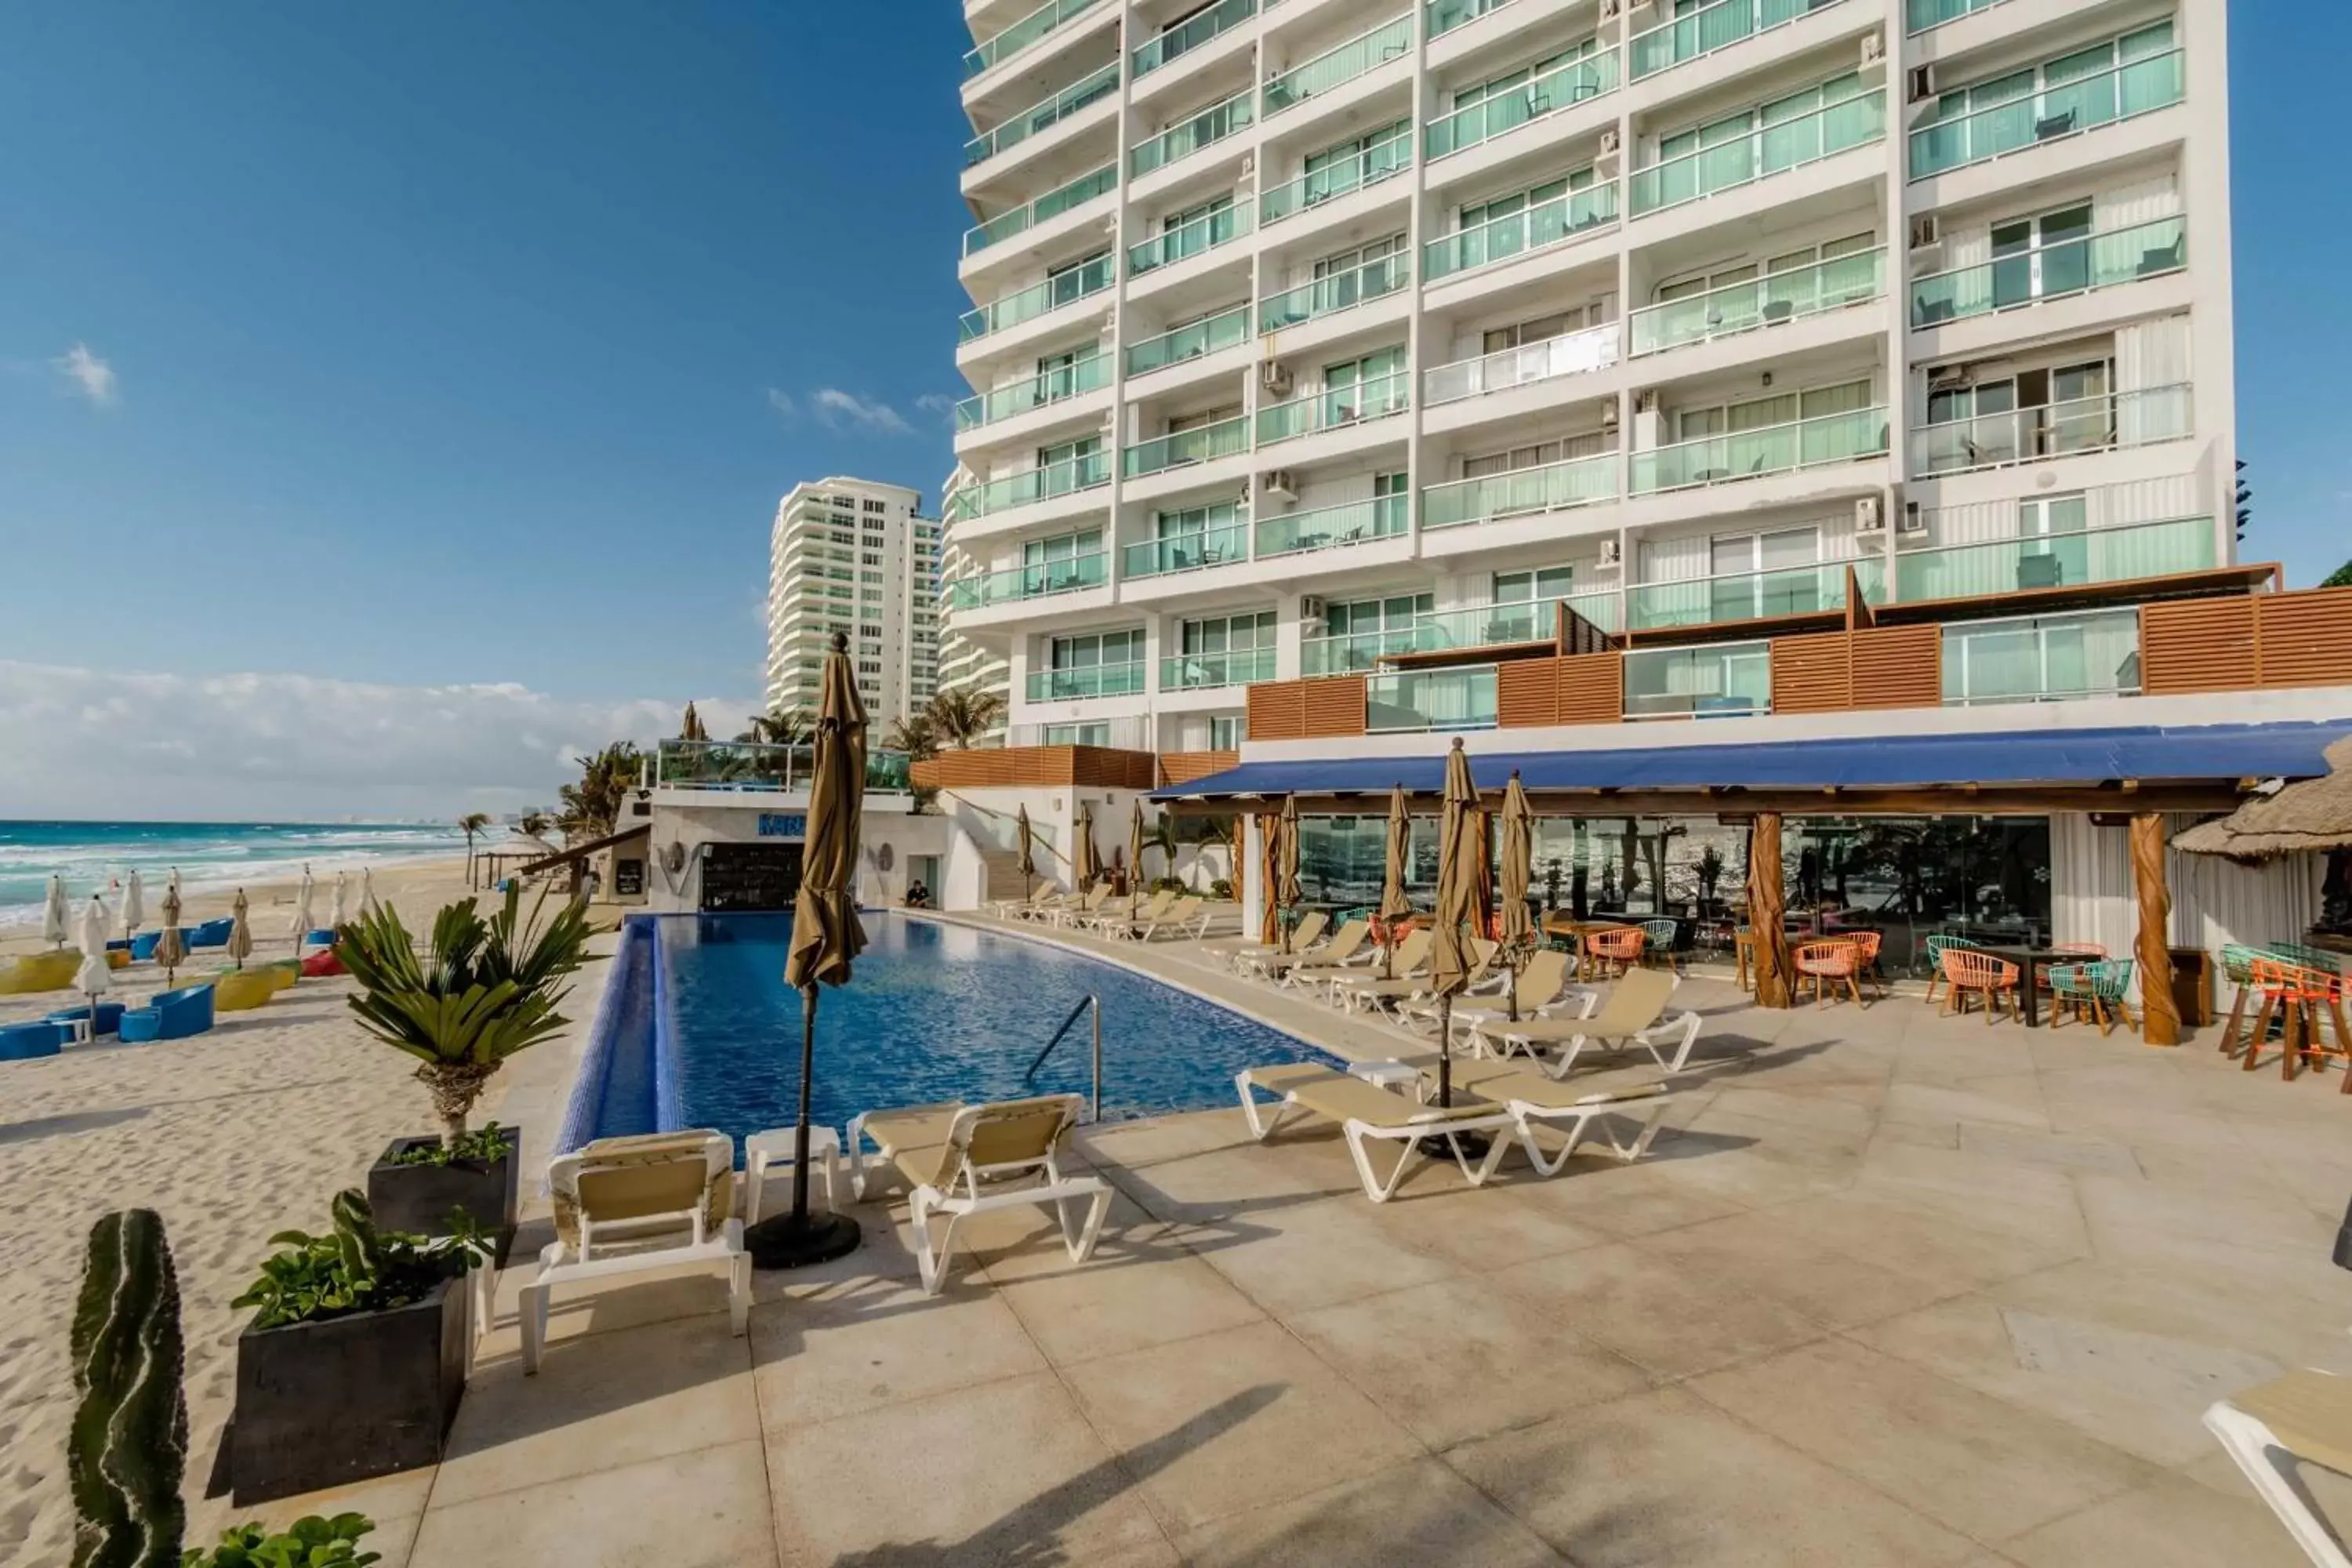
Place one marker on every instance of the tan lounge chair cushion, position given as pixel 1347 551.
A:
pixel 920 1140
pixel 2309 1412
pixel 622 1179
pixel 1342 1097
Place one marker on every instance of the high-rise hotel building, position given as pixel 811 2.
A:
pixel 858 558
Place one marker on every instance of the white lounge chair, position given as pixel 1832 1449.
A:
pixel 1351 944
pixel 1365 1112
pixel 962 1160
pixel 1411 958
pixel 1536 1102
pixel 1082 909
pixel 1542 989
pixel 1234 949
pixel 1308 945
pixel 1113 918
pixel 1633 1015
pixel 1182 916
pixel 637 1205
pixel 2304 1416
pixel 1413 999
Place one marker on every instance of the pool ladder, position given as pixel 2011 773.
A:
pixel 1087 1003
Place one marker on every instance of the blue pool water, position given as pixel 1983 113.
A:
pixel 705 1033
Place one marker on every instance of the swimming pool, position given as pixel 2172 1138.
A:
pixel 697 1029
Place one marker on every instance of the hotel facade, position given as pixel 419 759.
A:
pixel 856 557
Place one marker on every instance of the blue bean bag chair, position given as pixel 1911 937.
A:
pixel 324 937
pixel 175 1015
pixel 110 1017
pixel 142 946
pixel 211 934
pixel 23 1042
pixel 119 944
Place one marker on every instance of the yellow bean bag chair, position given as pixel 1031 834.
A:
pixel 116 958
pixel 282 972
pixel 40 972
pixel 244 989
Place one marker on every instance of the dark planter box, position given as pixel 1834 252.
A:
pixel 323 1405
pixel 418 1198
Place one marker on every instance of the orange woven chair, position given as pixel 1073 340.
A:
pixel 1866 944
pixel 1614 951
pixel 1966 970
pixel 1829 964
pixel 2303 998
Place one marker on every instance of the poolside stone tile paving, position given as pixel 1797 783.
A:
pixel 1890 1289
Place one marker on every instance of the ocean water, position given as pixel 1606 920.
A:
pixel 209 854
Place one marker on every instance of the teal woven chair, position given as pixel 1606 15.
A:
pixel 1663 934
pixel 2096 991
pixel 1936 944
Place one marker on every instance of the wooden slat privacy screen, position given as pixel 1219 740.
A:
pixel 1278 709
pixel 1526 693
pixel 2304 640
pixel 1592 688
pixel 1898 667
pixel 1333 706
pixel 1004 767
pixel 2198 644
pixel 1812 674
pixel 1183 767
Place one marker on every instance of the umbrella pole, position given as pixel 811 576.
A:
pixel 797 1239
pixel 1445 1050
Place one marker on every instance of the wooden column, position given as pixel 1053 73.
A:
pixel 1269 871
pixel 2159 1018
pixel 1765 907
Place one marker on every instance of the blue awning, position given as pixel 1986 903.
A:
pixel 2204 754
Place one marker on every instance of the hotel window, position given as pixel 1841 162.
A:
pixel 1226 732
pixel 1518 81
pixel 1065 284
pixel 2033 412
pixel 1536 455
pixel 1542 329
pixel 1763 413
pixel 1091 649
pixel 1080 468
pixel 875 506
pixel 1741 147
pixel 1244 633
pixel 1097 733
pixel 1175 244
pixel 1473 213
pixel 1760 574
pixel 1751 304
pixel 1363 388
pixel 1368 628
pixel 1359 161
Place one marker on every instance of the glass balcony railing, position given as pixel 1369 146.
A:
pixel 1919 16
pixel 1563 86
pixel 1522 492
pixel 1078 95
pixel 1022 34
pixel 1201 672
pixel 1772 449
pixel 1067 477
pixel 1718 681
pixel 1350 652
pixel 1338 66
pixel 1764 302
pixel 1571 354
pixel 2048 271
pixel 1391 155
pixel 1340 291
pixel 1404 700
pixel 1190 35
pixel 2041 658
pixel 1533 228
pixel 1202 337
pixel 1037 580
pixel 1087 680
pixel 750 765
pixel 1500 626
pixel 1028 304
pixel 1710 28
pixel 1181 448
pixel 1089 375
pixel 1775 149
pixel 2085 102
pixel 1053 203
pixel 1219 546
pixel 1335 408
pixel 1750 595
pixel 1211 125
pixel 2113 422
pixel 1202 235
pixel 1351 522
pixel 2119 553
pixel 1445 15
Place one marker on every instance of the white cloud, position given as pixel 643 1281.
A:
pixel 781 402
pixel 837 410
pixel 87 375
pixel 91 743
pixel 937 404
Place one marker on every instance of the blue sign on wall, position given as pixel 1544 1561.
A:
pixel 781 825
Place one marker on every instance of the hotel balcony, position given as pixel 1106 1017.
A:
pixel 987 246
pixel 2112 422
pixel 1496 123
pixel 1051 20
pixel 1925 16
pixel 1123 679
pixel 1323 76
pixel 1792 592
pixel 1184 448
pixel 1031 497
pixel 1197 340
pixel 1708 28
pixel 1067 384
pixel 1691 185
pixel 1772 300
pixel 1533 231
pixel 2072 108
pixel 1336 408
pixel 1051 122
pixel 1019 584
pixel 1225 545
pixel 1217 124
pixel 1449 392
pixel 1324 192
pixel 1190 39
pixel 1332 527
pixel 1409 700
pixel 1340 292
pixel 1519 494
pixel 2119 552
pixel 2038 275
pixel 1010 322
pixel 1210 671
pixel 2041 658
pixel 1752 454
pixel 1160 260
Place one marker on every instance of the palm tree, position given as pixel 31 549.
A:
pixel 784 727
pixel 690 728
pixel 915 736
pixel 533 823
pixel 472 822
pixel 961 715
pixel 593 806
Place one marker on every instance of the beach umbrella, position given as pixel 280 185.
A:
pixel 303 897
pixel 1482 874
pixel 339 905
pixel 1134 860
pixel 826 937
pixel 1028 866
pixel 1458 846
pixel 1394 905
pixel 1518 934
pixel 53 913
pixel 1083 866
pixel 240 935
pixel 170 948
pixel 1286 888
pixel 134 906
pixel 94 979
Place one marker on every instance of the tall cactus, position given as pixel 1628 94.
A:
pixel 129 1443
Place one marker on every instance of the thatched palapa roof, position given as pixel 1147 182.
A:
pixel 2312 815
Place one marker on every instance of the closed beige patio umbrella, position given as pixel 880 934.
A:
pixel 240 935
pixel 1518 931
pixel 1287 895
pixel 1028 866
pixel 170 948
pixel 1135 861
pixel 1458 849
pixel 1394 905
pixel 1083 866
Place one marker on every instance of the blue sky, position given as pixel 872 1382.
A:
pixel 434 345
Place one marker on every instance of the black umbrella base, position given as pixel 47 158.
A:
pixel 789 1242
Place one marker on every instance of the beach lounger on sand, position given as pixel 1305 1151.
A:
pixel 636 1206
pixel 1365 1112
pixel 962 1160
pixel 1633 1014
pixel 2304 1416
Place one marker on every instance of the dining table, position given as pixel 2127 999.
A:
pixel 2030 962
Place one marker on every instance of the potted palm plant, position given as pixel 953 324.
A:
pixel 481 991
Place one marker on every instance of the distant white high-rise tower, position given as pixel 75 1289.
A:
pixel 856 557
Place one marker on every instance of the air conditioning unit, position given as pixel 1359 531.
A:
pixel 1646 401
pixel 1951 376
pixel 1869 515
pixel 1274 378
pixel 1925 233
pixel 1613 551
pixel 1611 9
pixel 1281 484
pixel 1249 165
pixel 1311 609
pixel 1874 53
pixel 1914 521
pixel 1611 145
pixel 1920 85
pixel 1609 415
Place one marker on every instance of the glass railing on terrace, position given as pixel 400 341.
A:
pixel 1035 580
pixel 1087 680
pixel 1772 449
pixel 1711 27
pixel 1393 155
pixel 1337 67
pixel 1719 682
pixel 2137 86
pixel 1204 337
pixel 1028 304
pixel 751 765
pixel 1498 625
pixel 1199 671
pixel 1445 15
pixel 1340 291
pixel 1571 354
pixel 1089 375
pixel 2047 272
pixel 2119 553
pixel 1350 652
pixel 1205 233
pixel 1750 595
pixel 1918 15
pixel 1562 87
pixel 2041 658
pixel 1555 487
pixel 1023 34
pixel 1790 144
pixel 2114 421
pixel 1213 124
pixel 1190 35
pixel 1218 546
pixel 1532 228
pixel 1067 477
pixel 1336 407
pixel 1225 439
pixel 1053 203
pixel 1351 522
pixel 1405 701
pixel 1078 95
pixel 1763 301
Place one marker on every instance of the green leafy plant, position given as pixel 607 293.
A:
pixel 355 1268
pixel 959 715
pixel 1223 888
pixel 483 990
pixel 311 1542
pixel 471 823
pixel 485 1145
pixel 129 1442
pixel 591 807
